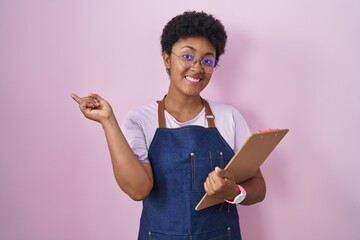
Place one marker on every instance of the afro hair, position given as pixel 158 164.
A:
pixel 194 24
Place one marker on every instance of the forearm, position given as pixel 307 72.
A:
pixel 133 177
pixel 255 188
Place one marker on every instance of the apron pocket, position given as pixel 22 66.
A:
pixel 202 163
pixel 160 236
pixel 223 234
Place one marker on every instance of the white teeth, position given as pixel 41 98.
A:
pixel 192 79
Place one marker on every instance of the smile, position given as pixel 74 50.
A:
pixel 191 79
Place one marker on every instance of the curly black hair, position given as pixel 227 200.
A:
pixel 194 24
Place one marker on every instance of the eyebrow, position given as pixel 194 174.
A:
pixel 192 48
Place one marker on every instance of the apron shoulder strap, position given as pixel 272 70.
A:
pixel 161 113
pixel 208 113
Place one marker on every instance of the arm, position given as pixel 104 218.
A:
pixel 221 184
pixel 133 177
pixel 255 188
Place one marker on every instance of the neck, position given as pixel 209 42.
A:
pixel 183 108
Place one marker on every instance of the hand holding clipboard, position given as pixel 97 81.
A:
pixel 248 159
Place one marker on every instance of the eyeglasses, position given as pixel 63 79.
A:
pixel 187 60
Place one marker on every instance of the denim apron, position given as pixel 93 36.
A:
pixel 181 159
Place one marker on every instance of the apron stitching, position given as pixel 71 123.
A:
pixel 192 156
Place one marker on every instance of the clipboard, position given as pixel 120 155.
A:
pixel 248 159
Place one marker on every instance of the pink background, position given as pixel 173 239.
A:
pixel 288 64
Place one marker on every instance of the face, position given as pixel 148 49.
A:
pixel 189 81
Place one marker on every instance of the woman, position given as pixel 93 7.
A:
pixel 170 152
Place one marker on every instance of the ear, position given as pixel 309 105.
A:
pixel 166 59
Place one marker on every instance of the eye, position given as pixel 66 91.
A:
pixel 188 57
pixel 209 61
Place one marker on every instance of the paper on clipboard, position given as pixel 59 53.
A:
pixel 248 159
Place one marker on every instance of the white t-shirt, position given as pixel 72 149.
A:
pixel 140 124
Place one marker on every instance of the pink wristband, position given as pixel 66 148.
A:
pixel 240 197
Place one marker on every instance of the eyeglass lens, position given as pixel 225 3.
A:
pixel 188 61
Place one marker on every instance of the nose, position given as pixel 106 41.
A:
pixel 197 65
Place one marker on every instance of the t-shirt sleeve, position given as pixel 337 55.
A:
pixel 134 134
pixel 242 131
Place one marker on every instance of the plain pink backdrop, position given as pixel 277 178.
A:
pixel 288 64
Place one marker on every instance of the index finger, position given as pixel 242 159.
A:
pixel 75 97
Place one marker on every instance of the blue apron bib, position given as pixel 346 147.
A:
pixel 181 159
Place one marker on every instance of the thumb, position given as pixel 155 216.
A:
pixel 223 173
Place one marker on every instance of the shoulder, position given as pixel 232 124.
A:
pixel 224 111
pixel 230 123
pixel 142 115
pixel 143 119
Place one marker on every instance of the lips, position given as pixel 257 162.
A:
pixel 193 79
